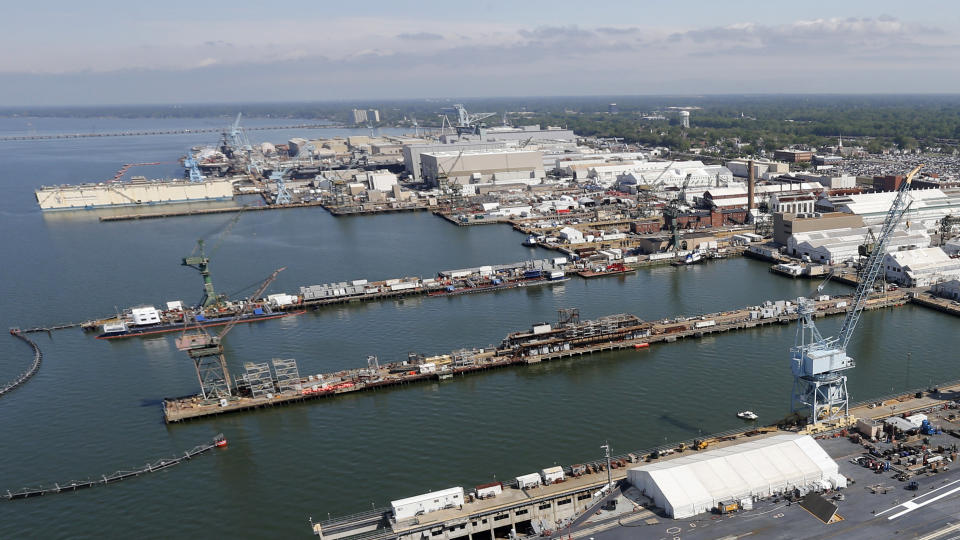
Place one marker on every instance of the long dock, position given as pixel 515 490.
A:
pixel 159 465
pixel 34 367
pixel 560 341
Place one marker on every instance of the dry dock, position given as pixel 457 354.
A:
pixel 542 343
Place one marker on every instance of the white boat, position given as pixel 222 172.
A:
pixel 747 415
pixel 693 258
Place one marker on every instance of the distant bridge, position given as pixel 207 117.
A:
pixel 157 132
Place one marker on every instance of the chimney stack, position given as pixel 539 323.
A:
pixel 751 179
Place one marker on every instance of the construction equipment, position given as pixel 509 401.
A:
pixel 206 351
pixel 947 225
pixel 469 123
pixel 671 214
pixel 817 363
pixel 283 194
pixel 191 165
pixel 199 261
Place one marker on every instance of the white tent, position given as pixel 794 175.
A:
pixel 697 483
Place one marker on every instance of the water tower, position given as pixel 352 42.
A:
pixel 685 119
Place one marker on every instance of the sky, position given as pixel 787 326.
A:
pixel 63 52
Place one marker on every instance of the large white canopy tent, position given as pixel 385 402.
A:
pixel 698 482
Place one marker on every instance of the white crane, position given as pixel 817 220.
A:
pixel 817 362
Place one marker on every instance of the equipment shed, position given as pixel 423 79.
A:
pixel 697 483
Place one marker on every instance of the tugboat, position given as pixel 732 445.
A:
pixel 747 415
pixel 531 241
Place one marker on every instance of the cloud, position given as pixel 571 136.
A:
pixel 837 36
pixel 556 32
pixel 420 36
pixel 617 30
pixel 352 61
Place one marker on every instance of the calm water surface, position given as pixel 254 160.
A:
pixel 94 406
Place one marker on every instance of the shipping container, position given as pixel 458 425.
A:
pixel 527 481
pixel 552 475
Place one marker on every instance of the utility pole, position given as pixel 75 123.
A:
pixel 606 447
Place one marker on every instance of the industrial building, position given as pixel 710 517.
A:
pixel 920 267
pixel 698 483
pixel 412 153
pixel 784 225
pixel 524 134
pixel 663 173
pixel 928 206
pixel 793 156
pixel 792 203
pixel 762 168
pixel 381 180
pixel 828 181
pixel 736 196
pixel 481 167
pixel 840 245
pixel 947 289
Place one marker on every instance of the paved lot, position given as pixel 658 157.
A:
pixel 932 512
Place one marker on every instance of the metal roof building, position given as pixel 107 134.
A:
pixel 697 483
pixel 927 207
pixel 920 267
pixel 833 246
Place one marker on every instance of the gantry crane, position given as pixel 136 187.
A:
pixel 818 363
pixel 283 194
pixel 190 163
pixel 206 351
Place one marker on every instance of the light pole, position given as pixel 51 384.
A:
pixel 606 447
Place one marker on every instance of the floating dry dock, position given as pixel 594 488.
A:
pixel 567 338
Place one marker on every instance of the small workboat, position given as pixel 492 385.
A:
pixel 747 415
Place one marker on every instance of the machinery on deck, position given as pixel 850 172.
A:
pixel 206 351
pixel 818 363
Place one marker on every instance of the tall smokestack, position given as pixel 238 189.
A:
pixel 750 181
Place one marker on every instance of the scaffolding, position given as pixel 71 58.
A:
pixel 287 374
pixel 258 379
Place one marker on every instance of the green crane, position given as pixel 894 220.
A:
pixel 201 263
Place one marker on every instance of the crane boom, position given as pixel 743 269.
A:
pixel 263 286
pixel 872 267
